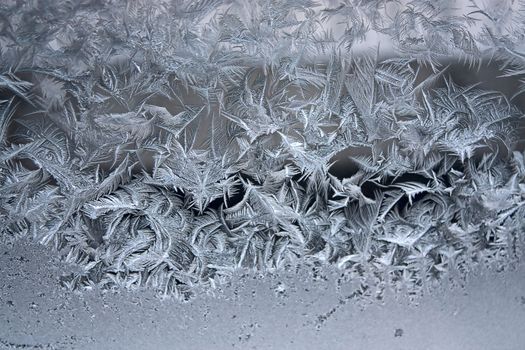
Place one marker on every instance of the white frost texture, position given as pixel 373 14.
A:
pixel 168 144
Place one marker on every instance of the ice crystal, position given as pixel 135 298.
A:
pixel 169 143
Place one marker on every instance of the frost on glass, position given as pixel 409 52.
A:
pixel 165 144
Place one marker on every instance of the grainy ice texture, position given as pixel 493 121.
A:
pixel 168 146
pixel 289 310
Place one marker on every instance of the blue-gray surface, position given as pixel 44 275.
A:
pixel 167 143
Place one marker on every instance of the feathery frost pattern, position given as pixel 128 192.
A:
pixel 165 144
